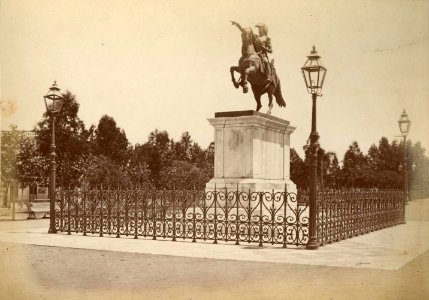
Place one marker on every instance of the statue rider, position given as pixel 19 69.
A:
pixel 264 43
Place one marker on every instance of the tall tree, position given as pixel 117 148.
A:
pixel 383 161
pixel 331 170
pixel 158 150
pixel 354 167
pixel 111 141
pixel 71 139
pixel 183 148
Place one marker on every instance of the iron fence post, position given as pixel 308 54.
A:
pixel 118 214
pixel 284 216
pixel 261 195
pixel 174 213
pixel 194 204
pixel 215 218
pixel 154 215
pixel 101 211
pixel 84 211
pixel 135 214
pixel 68 213
pixel 237 218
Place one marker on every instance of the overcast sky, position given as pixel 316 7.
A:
pixel 165 64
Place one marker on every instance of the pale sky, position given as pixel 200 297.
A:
pixel 165 64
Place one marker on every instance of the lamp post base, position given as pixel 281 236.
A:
pixel 312 244
pixel 52 230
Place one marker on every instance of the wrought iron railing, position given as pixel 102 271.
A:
pixel 277 218
pixel 343 214
pixel 235 216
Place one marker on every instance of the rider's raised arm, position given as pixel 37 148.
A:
pixel 238 25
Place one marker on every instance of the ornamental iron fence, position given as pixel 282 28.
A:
pixel 236 216
pixel 343 214
pixel 276 218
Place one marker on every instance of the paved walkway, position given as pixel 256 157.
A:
pixel 387 249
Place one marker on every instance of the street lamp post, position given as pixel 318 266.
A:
pixel 314 75
pixel 404 126
pixel 53 101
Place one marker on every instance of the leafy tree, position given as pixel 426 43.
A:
pixel 10 141
pixel 139 174
pixel 102 171
pixel 354 167
pixel 331 170
pixel 208 161
pixel 383 164
pixel 71 139
pixel 138 170
pixel 183 175
pixel 158 152
pixel 182 150
pixel 111 141
pixel 298 170
pixel 163 155
pixel 31 165
pixel 187 150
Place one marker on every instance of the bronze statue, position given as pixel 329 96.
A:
pixel 254 66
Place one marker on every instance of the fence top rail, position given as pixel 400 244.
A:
pixel 225 191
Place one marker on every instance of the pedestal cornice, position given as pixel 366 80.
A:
pixel 250 118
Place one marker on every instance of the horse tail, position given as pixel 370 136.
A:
pixel 278 94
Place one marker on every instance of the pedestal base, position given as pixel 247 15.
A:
pixel 251 185
pixel 252 152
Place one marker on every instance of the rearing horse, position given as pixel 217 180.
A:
pixel 251 68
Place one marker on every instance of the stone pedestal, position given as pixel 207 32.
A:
pixel 252 151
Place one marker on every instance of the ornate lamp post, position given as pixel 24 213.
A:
pixel 314 75
pixel 54 101
pixel 404 126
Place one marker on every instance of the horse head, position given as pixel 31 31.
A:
pixel 247 35
pixel 247 39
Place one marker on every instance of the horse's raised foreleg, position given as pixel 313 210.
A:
pixel 232 70
pixel 245 76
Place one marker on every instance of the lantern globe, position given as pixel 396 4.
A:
pixel 404 123
pixel 53 99
pixel 314 73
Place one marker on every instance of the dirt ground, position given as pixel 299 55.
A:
pixel 39 272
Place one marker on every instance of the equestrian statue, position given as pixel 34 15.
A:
pixel 255 67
